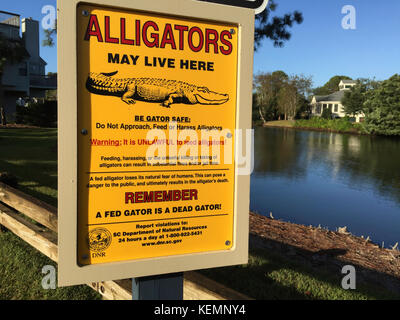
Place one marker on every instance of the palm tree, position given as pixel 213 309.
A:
pixel 11 51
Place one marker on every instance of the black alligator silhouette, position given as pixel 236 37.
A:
pixel 152 90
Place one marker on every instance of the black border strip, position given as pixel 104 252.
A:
pixel 239 3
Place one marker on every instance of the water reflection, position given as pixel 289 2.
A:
pixel 318 177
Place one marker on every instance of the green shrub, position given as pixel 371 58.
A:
pixel 340 125
pixel 382 108
pixel 41 114
pixel 326 114
pixel 21 114
pixel 9 178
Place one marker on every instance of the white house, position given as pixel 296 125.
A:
pixel 334 102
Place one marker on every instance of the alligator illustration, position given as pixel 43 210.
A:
pixel 152 90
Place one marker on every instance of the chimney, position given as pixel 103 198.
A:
pixel 30 36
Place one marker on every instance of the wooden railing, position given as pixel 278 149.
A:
pixel 16 210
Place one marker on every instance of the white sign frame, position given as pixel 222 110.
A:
pixel 69 272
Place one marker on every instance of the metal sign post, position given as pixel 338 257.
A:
pixel 162 287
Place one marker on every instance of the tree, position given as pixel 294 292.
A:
pixel 293 94
pixel 3 117
pixel 275 28
pixel 303 108
pixel 278 94
pixel 382 108
pixel 48 40
pixel 287 100
pixel 353 100
pixel 267 87
pixel 11 51
pixel 303 84
pixel 331 86
pixel 326 114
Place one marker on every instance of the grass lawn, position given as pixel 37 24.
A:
pixel 31 155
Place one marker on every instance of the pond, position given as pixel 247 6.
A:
pixel 329 179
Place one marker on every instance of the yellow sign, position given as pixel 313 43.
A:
pixel 157 99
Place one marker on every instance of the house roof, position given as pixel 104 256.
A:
pixel 334 97
pixel 43 61
pixel 349 81
pixel 9 18
pixel 9 13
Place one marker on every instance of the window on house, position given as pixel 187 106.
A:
pixel 34 68
pixel 336 108
pixel 23 71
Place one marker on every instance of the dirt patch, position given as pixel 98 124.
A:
pixel 279 124
pixel 318 247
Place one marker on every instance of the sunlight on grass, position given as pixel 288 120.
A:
pixel 21 274
pixel 271 276
pixel 31 155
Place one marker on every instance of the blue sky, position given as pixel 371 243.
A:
pixel 319 47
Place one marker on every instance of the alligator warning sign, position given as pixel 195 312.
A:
pixel 157 100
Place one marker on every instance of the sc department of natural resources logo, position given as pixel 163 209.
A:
pixel 99 239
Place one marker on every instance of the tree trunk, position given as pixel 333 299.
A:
pixel 261 115
pixel 3 117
